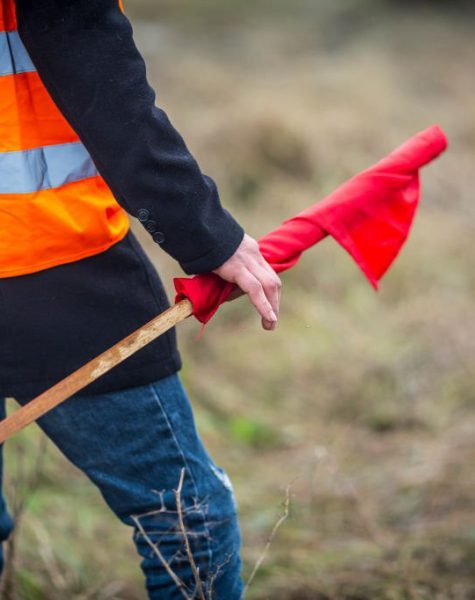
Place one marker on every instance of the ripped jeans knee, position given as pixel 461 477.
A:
pixel 190 542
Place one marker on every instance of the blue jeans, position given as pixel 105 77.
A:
pixel 134 445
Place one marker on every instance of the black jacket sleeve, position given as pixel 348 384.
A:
pixel 86 57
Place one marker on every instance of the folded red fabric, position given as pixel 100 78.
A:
pixel 370 216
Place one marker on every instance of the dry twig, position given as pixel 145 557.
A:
pixel 194 568
pixel 178 582
pixel 276 527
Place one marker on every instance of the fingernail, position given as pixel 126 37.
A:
pixel 273 316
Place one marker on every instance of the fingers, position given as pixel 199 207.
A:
pixel 271 286
pixel 248 270
pixel 251 285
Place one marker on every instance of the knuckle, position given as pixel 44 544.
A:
pixel 254 247
pixel 255 287
pixel 274 285
pixel 241 275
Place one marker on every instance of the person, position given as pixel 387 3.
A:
pixel 82 144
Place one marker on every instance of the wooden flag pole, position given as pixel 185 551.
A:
pixel 94 369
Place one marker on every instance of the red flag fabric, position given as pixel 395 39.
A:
pixel 370 216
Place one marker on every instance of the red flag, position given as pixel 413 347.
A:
pixel 370 216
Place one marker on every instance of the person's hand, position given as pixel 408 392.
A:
pixel 248 269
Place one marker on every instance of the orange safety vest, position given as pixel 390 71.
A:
pixel 55 208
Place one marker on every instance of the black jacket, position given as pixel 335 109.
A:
pixel 86 57
pixel 53 321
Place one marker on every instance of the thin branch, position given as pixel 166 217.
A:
pixel 276 527
pixel 213 577
pixel 178 582
pixel 194 568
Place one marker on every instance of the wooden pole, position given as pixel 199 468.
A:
pixel 94 369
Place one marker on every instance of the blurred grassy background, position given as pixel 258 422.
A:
pixel 363 402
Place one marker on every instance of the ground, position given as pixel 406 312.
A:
pixel 363 403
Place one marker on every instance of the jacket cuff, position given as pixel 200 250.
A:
pixel 228 235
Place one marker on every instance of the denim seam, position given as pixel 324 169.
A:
pixel 208 535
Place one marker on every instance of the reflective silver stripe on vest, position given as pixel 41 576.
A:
pixel 27 171
pixel 13 55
